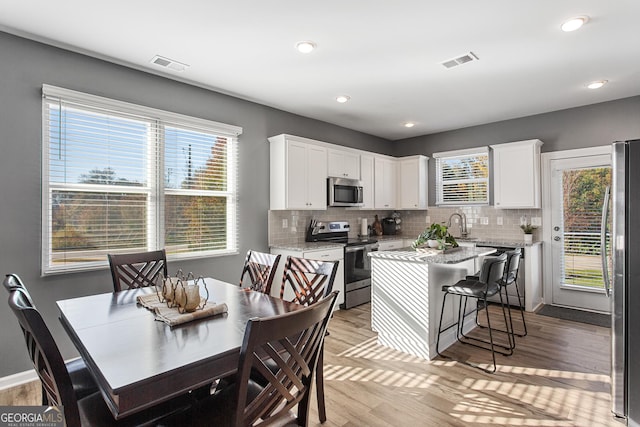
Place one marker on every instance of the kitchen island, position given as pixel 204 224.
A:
pixel 406 297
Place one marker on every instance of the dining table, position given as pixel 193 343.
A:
pixel 139 361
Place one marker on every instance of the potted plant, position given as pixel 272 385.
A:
pixel 436 236
pixel 527 228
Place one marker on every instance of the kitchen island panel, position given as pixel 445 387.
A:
pixel 406 302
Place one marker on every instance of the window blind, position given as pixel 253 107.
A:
pixel 462 177
pixel 124 178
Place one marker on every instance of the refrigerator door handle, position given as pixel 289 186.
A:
pixel 603 242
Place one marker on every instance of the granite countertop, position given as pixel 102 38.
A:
pixel 303 246
pixel 452 256
pixel 497 242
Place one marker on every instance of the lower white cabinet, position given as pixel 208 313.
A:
pixel 336 254
pixel 390 244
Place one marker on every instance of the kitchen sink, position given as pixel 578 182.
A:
pixel 467 239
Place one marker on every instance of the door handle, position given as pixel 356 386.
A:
pixel 557 238
pixel 603 241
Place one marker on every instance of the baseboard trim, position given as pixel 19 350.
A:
pixel 18 379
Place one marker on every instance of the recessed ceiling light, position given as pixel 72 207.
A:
pixel 305 46
pixel 342 98
pixel 574 23
pixel 597 84
pixel 409 125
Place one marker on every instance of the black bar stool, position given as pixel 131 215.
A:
pixel 479 287
pixel 509 278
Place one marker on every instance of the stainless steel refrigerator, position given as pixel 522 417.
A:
pixel 625 298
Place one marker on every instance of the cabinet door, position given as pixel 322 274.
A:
pixel 516 174
pixel 412 183
pixel 296 176
pixel 316 166
pixel 367 178
pixel 385 183
pixel 343 164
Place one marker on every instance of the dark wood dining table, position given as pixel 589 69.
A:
pixel 139 362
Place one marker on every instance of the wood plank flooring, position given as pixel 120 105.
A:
pixel 558 376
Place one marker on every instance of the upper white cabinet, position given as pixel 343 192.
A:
pixel 412 182
pixel 298 174
pixel 385 179
pixel 516 174
pixel 367 176
pixel 343 164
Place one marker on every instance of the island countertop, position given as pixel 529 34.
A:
pixel 450 256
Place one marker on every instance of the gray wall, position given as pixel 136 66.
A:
pixel 589 126
pixel 24 67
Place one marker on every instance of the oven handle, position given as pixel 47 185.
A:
pixel 368 248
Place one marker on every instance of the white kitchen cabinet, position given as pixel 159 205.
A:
pixel 298 174
pixel 516 174
pixel 367 177
pixel 390 244
pixel 335 254
pixel 412 182
pixel 385 183
pixel 343 164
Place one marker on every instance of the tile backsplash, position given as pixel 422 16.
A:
pixel 482 222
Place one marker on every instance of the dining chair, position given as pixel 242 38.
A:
pixel 137 270
pixel 90 410
pixel 82 380
pixel 293 342
pixel 479 288
pixel 310 280
pixel 259 270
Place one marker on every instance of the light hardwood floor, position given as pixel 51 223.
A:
pixel 558 376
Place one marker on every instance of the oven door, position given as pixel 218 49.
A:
pixel 357 274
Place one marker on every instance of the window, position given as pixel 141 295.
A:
pixel 118 177
pixel 462 177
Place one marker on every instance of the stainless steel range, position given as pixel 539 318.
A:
pixel 357 263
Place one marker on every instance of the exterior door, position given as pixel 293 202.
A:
pixel 578 187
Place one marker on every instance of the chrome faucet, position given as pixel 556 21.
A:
pixel 463 223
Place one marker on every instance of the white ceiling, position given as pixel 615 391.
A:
pixel 384 54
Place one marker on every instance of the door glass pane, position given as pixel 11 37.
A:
pixel 583 194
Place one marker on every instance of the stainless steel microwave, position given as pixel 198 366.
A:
pixel 344 192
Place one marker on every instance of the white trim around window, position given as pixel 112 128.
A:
pixel 462 177
pixel 119 177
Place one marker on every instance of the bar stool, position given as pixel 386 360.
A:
pixel 481 287
pixel 509 278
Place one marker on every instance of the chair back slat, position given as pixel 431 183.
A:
pixel 309 279
pixel 137 270
pixel 293 341
pixel 260 269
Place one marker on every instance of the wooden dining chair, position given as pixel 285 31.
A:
pixel 310 280
pixel 299 335
pixel 82 380
pixel 90 410
pixel 259 270
pixel 137 270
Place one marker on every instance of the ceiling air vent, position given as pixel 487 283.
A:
pixel 163 62
pixel 462 59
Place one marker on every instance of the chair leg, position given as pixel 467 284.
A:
pixel 521 304
pixel 322 412
pixel 508 348
pixel 493 353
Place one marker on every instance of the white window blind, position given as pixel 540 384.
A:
pixel 462 177
pixel 118 177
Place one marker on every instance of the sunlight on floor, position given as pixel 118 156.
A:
pixel 566 398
